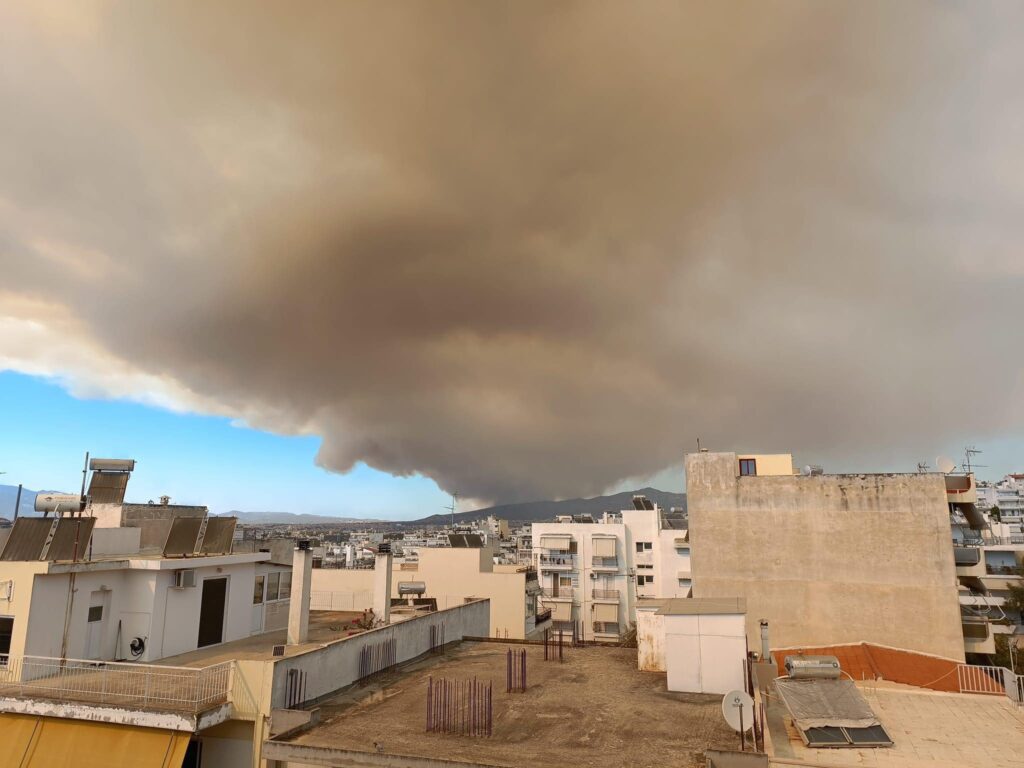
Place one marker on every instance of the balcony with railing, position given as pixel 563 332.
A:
pixel 605 563
pixel 605 595
pixel 1002 570
pixel 562 593
pixel 541 617
pixel 606 629
pixel 183 690
pixel 557 562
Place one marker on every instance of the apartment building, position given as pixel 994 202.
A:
pixel 593 571
pixel 826 558
pixel 136 637
pixel 446 577
pixel 989 557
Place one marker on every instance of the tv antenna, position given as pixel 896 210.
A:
pixel 455 498
pixel 970 451
pixel 922 467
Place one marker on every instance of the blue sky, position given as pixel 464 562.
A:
pixel 194 459
pixel 211 460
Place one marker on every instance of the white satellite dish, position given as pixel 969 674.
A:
pixel 945 464
pixel 737 707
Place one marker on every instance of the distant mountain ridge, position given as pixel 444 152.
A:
pixel 9 494
pixel 540 511
pixel 292 518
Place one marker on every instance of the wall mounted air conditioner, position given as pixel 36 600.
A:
pixel 185 578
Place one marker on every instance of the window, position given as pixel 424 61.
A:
pixel 286 586
pixel 748 467
pixel 642 579
pixel 95 613
pixel 257 590
pixel 273 584
pixel 644 546
pixel 6 630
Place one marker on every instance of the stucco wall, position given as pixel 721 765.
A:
pixel 336 665
pixel 827 559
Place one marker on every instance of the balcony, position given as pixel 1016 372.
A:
pixel 541 617
pixel 605 564
pixel 1002 570
pixel 181 690
pixel 960 489
pixel 978 637
pixel 609 595
pixel 562 593
pixel 606 630
pixel 558 562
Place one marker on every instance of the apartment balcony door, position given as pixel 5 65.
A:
pixel 211 611
pixel 96 624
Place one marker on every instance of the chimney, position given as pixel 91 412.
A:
pixel 298 608
pixel 382 584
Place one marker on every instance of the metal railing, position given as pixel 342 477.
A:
pixel 558 560
pixel 1000 681
pixel 605 562
pixel 147 686
pixel 1003 570
pixel 542 616
pixel 605 594
pixel 562 593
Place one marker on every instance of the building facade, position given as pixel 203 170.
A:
pixel 826 559
pixel 592 572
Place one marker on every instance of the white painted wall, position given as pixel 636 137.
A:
pixel 705 654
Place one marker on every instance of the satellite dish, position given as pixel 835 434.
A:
pixel 733 704
pixel 945 464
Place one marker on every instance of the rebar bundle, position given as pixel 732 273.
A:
pixel 459 707
pixel 553 648
pixel 377 657
pixel 515 672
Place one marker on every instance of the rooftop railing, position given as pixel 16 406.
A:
pixel 146 686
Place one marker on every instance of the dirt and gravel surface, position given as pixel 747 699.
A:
pixel 595 710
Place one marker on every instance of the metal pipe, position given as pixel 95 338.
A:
pixel 17 504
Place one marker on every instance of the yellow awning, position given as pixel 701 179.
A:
pixel 606 612
pixel 42 742
pixel 603 547
pixel 561 611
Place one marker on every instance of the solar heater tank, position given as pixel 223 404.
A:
pixel 112 465
pixel 416 588
pixel 58 502
pixel 812 667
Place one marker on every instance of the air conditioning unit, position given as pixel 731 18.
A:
pixel 185 578
pixel 593 576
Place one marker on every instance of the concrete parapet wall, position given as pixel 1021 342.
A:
pixel 336 665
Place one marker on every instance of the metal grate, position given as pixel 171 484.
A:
pixel 27 538
pixel 71 539
pixel 182 538
pixel 218 536
pixel 108 487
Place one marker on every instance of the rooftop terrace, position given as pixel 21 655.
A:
pixel 595 710
pixel 930 729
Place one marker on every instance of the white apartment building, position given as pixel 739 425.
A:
pixel 593 571
pixel 1008 496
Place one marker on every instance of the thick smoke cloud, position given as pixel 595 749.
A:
pixel 528 250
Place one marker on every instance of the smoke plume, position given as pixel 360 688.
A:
pixel 526 249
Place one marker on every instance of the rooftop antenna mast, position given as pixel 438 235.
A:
pixel 922 466
pixel 970 451
pixel 455 498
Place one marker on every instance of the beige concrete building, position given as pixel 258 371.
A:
pixel 825 558
pixel 449 575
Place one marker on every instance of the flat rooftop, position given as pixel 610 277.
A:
pixel 594 710
pixel 930 729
